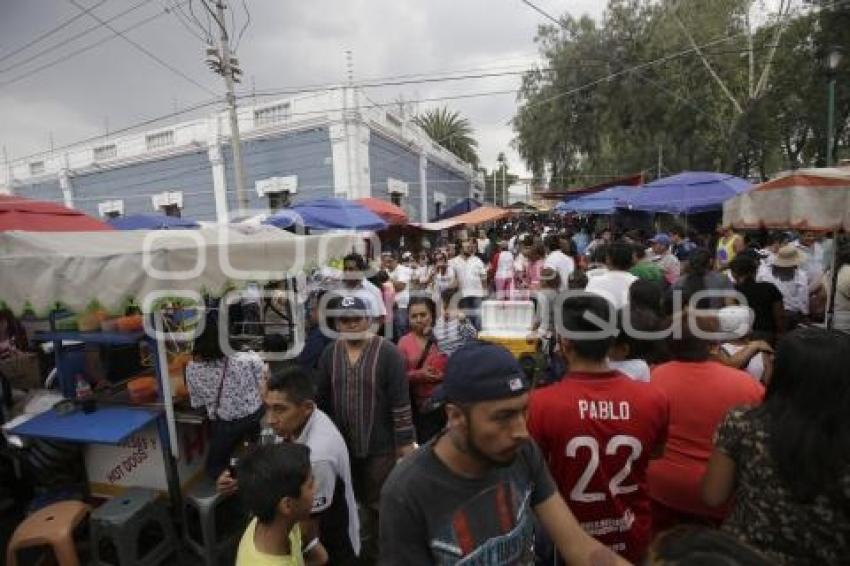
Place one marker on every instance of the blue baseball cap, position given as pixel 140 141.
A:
pixel 662 239
pixel 480 371
pixel 347 306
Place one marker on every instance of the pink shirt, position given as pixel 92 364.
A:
pixel 411 349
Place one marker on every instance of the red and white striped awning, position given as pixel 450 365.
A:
pixel 805 199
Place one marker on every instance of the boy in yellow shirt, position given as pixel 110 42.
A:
pixel 276 485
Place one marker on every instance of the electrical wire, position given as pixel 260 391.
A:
pixel 542 12
pixel 244 26
pixel 143 49
pixel 66 41
pixel 48 33
pixel 178 14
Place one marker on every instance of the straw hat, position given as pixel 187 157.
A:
pixel 788 256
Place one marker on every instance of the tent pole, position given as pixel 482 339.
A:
pixel 830 307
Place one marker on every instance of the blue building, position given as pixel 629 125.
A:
pixel 313 146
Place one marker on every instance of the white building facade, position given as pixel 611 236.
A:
pixel 313 146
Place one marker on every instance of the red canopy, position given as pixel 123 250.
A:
pixel 390 213
pixel 19 213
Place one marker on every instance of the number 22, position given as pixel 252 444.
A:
pixel 615 486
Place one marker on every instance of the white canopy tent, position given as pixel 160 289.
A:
pixel 41 269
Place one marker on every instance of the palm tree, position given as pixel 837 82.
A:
pixel 451 131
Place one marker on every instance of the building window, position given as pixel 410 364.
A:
pixel 105 152
pixel 36 167
pixel 395 198
pixel 272 115
pixel 171 210
pixel 278 200
pixel 111 208
pixel 159 140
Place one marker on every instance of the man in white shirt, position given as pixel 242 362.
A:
pixel 559 261
pixel 353 280
pixel 472 278
pixel 614 284
pixel 292 416
pixel 400 275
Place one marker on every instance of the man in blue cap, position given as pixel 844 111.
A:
pixel 467 497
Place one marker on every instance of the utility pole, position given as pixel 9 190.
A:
pixel 660 159
pixel 223 63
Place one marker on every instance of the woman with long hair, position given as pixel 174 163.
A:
pixel 787 462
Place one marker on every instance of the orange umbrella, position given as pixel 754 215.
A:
pixel 389 212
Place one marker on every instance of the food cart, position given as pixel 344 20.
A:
pixel 152 443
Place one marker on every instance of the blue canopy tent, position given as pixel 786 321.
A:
pixel 689 192
pixel 464 206
pixel 604 202
pixel 328 214
pixel 152 222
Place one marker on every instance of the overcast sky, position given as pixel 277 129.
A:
pixel 288 43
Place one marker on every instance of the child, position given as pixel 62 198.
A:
pixel 277 487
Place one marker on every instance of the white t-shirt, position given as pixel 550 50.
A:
pixel 402 274
pixel 505 265
pixel 329 462
pixel 755 367
pixel 613 285
pixel 482 245
pixel 635 369
pixel 469 272
pixel 563 264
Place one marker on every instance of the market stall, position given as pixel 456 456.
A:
pixel 166 274
pixel 805 199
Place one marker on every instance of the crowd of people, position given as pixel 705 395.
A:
pixel 689 408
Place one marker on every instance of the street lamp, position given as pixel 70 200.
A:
pixel 832 61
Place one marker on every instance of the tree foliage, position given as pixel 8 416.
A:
pixel 450 130
pixel 720 85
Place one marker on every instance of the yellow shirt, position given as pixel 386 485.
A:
pixel 249 555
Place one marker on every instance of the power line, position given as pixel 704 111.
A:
pixel 83 33
pixel 143 49
pixel 542 12
pixel 187 25
pixel 48 33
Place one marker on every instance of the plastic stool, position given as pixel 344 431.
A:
pixel 132 529
pixel 52 526
pixel 214 524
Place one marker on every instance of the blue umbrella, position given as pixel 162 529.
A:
pixel 152 222
pixel 686 193
pixel 336 214
pixel 283 219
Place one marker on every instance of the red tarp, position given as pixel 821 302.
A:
pixel 390 213
pixel 18 213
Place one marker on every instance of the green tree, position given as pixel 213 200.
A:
pixel 450 130
pixel 699 84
